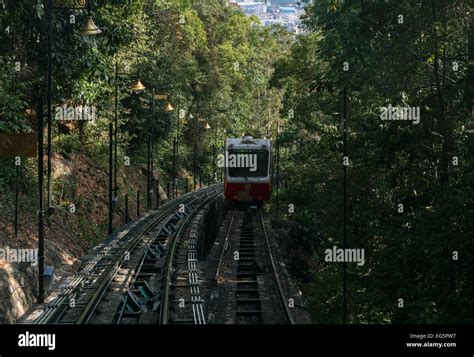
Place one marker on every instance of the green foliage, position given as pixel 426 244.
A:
pixel 184 49
pixel 12 99
pixel 218 65
pixel 409 254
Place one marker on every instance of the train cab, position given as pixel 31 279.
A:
pixel 247 170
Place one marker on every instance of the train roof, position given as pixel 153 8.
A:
pixel 247 141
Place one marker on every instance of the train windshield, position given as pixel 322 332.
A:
pixel 247 163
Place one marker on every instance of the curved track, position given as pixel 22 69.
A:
pixel 157 271
pixel 79 301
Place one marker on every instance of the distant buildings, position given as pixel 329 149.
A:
pixel 286 13
pixel 253 7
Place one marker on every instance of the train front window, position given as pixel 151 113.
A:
pixel 247 163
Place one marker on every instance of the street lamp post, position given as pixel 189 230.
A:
pixel 116 128
pixel 150 160
pixel 148 168
pixel 168 108
pixel 150 180
pixel 344 194
pixel 173 184
pixel 176 150
pixel 224 169
pixel 110 180
pixel 214 155
pixel 151 173
pixel 278 170
pixel 49 104
pixel 194 152
pixel 89 28
pixel 207 127
pixel 137 87
pixel 39 115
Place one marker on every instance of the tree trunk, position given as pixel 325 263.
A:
pixel 469 84
pixel 441 102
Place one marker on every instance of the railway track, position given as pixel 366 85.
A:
pixel 181 290
pixel 156 272
pixel 248 307
pixel 276 275
pixel 251 286
pixel 126 278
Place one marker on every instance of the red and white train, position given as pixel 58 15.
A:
pixel 248 171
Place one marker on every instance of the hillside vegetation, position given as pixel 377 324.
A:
pixel 410 194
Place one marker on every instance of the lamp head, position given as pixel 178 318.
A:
pixel 137 86
pixel 168 107
pixel 89 28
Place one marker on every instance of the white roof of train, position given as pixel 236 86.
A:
pixel 247 141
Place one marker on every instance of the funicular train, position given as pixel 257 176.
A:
pixel 248 168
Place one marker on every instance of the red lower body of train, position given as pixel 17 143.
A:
pixel 247 192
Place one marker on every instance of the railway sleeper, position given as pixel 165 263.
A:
pixel 248 310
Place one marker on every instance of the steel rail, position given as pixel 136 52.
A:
pixel 106 279
pixel 275 273
pixel 193 277
pixel 164 315
pixel 224 248
pixel 55 310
